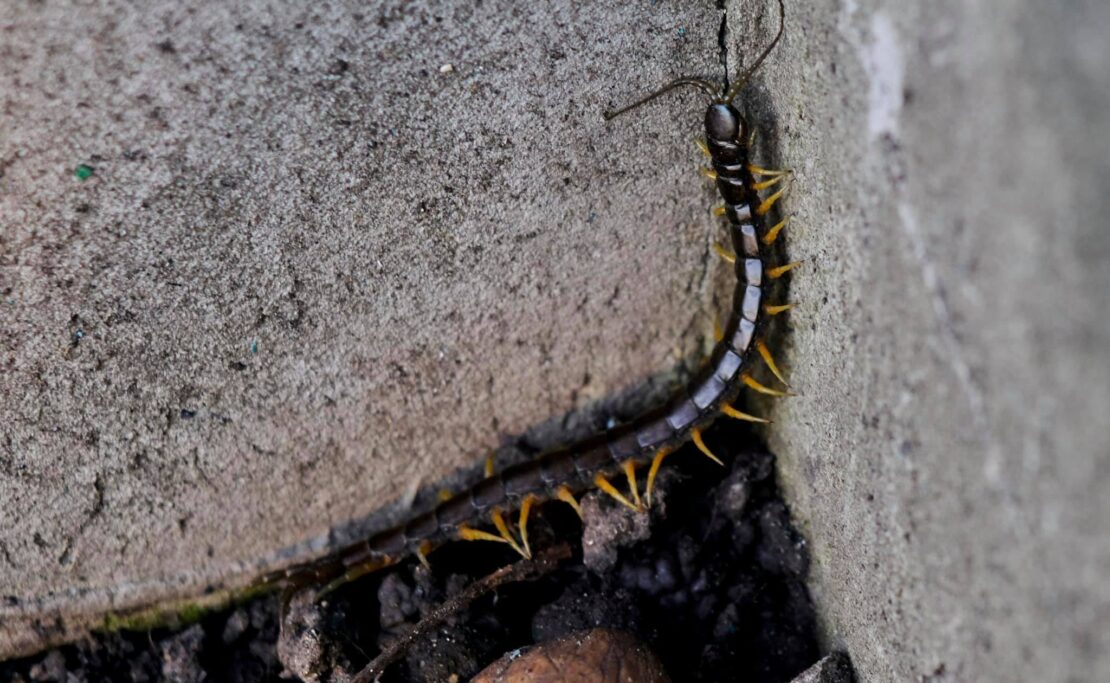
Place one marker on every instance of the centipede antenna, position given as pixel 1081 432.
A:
pixel 707 87
pixel 743 80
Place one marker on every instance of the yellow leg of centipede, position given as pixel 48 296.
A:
pixel 488 469
pixel 773 234
pixel 735 414
pixel 703 147
pixel 656 463
pixel 765 354
pixel 709 173
pixel 503 529
pixel 724 253
pixel 775 310
pixel 779 271
pixel 525 508
pixel 718 331
pixel 422 554
pixel 695 434
pixel 774 180
pixel 563 493
pixel 355 573
pixel 602 483
pixel 629 468
pixel 753 384
pixel 759 170
pixel 768 203
pixel 719 211
pixel 467 533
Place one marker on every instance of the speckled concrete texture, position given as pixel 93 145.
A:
pixel 314 266
pixel 323 256
pixel 948 456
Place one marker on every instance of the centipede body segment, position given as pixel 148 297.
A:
pixel 650 438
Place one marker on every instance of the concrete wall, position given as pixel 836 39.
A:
pixel 311 270
pixel 949 454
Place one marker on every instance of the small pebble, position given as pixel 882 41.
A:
pixel 446 69
pixel 181 655
pixel 597 656
pixel 834 668
pixel 51 668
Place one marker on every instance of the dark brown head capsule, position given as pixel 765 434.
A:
pixel 723 123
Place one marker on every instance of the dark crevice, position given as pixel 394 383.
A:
pixel 722 43
pixel 715 586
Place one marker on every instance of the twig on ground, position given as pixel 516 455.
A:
pixel 525 570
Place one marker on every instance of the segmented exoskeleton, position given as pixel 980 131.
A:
pixel 652 436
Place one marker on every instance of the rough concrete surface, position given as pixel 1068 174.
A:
pixel 324 255
pixel 949 455
pixel 310 269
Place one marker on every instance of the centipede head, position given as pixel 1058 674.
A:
pixel 724 122
pixel 721 114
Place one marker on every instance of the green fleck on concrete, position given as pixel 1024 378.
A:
pixel 83 172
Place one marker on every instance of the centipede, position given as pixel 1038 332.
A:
pixel 562 474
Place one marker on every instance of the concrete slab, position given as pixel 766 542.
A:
pixel 265 269
pixel 948 456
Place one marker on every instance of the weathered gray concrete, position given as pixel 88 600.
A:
pixel 315 267
pixel 949 456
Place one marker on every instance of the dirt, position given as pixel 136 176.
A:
pixel 712 582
